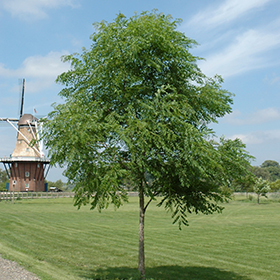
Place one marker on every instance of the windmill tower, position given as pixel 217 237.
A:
pixel 27 166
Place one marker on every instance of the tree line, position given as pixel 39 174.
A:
pixel 268 172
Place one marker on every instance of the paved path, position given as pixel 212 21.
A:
pixel 12 271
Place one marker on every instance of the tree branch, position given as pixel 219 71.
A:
pixel 151 199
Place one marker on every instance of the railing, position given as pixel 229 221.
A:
pixel 33 195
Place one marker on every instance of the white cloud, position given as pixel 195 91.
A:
pixel 272 79
pixel 34 9
pixel 259 137
pixel 40 66
pixel 257 117
pixel 4 71
pixel 228 11
pixel 248 51
pixel 41 71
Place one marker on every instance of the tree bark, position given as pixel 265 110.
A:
pixel 141 260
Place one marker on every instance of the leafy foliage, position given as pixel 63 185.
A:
pixel 3 180
pixel 261 172
pixel 275 186
pixel 245 183
pixel 261 188
pixel 274 172
pixel 269 170
pixel 270 163
pixel 58 184
pixel 136 102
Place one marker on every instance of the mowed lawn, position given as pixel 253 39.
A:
pixel 54 240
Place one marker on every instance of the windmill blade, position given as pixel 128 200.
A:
pixel 4 122
pixel 22 98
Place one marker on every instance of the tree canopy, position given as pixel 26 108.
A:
pixel 136 103
pixel 269 163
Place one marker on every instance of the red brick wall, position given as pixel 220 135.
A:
pixel 28 176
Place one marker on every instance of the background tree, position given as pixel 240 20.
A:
pixel 3 180
pixel 136 104
pixel 261 188
pixel 58 184
pixel 273 168
pixel 275 186
pixel 245 183
pixel 268 170
pixel 260 172
pixel 269 163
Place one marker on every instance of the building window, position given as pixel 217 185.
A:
pixel 27 174
pixel 38 165
pixel 27 149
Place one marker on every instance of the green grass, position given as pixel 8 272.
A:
pixel 54 240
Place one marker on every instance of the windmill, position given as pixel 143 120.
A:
pixel 27 166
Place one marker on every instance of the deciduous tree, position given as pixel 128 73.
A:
pixel 245 183
pixel 260 172
pixel 261 188
pixel 273 168
pixel 275 186
pixel 136 103
pixel 58 184
pixel 269 163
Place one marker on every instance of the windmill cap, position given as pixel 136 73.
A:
pixel 26 119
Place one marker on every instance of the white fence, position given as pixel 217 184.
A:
pixel 33 195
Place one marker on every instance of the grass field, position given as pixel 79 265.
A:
pixel 54 240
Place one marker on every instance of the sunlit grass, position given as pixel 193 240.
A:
pixel 56 241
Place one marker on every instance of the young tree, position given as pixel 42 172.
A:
pixel 261 188
pixel 136 104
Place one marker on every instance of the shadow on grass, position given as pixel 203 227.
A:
pixel 164 273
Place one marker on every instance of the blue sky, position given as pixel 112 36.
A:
pixel 239 40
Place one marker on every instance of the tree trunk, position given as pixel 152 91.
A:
pixel 258 199
pixel 141 260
